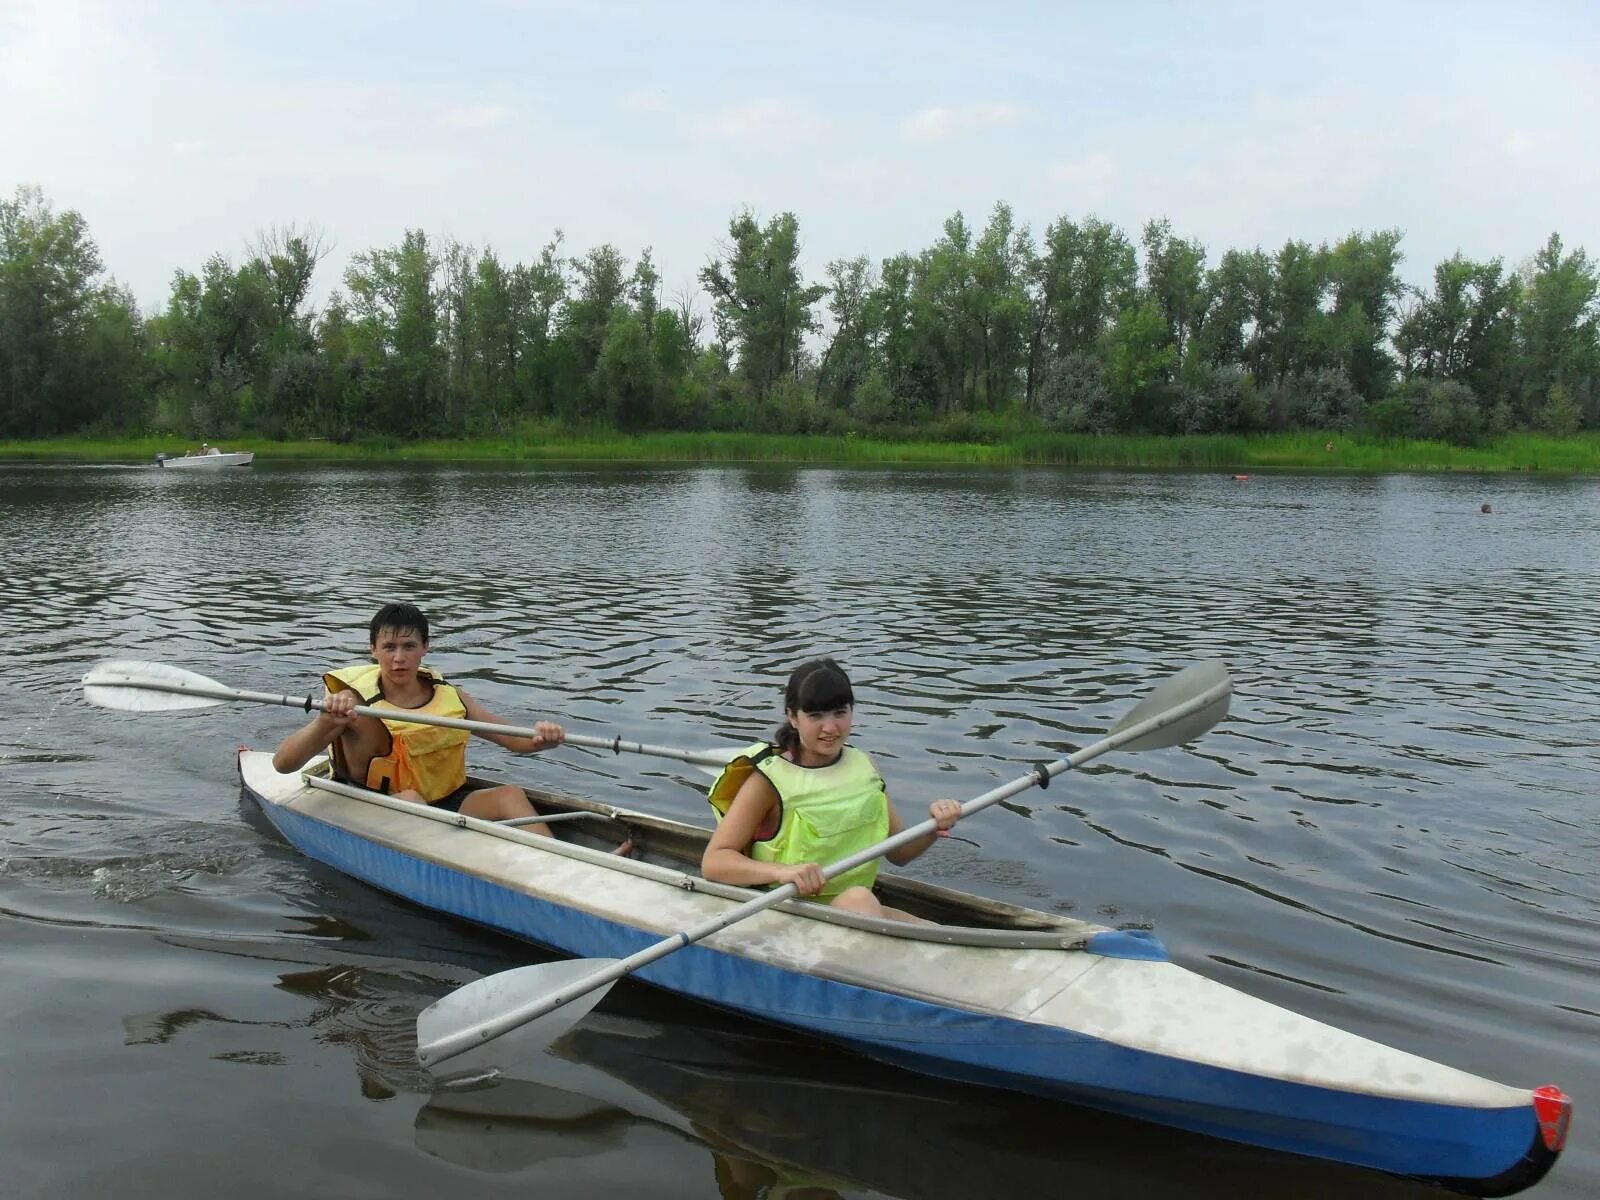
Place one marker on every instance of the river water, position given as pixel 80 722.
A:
pixel 1396 830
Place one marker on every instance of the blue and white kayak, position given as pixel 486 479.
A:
pixel 996 994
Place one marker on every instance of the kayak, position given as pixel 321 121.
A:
pixel 206 462
pixel 994 994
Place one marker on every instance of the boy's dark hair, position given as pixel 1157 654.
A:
pixel 398 617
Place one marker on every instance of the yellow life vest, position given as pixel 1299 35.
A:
pixel 824 813
pixel 429 759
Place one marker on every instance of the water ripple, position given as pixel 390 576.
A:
pixel 1396 828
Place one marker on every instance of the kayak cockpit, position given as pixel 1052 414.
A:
pixel 670 851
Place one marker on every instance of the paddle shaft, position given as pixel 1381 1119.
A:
pixel 217 691
pixel 474 1035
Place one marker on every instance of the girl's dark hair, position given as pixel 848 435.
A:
pixel 819 685
pixel 400 618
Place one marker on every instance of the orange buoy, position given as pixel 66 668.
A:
pixel 1241 479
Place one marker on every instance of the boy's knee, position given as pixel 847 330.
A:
pixel 501 803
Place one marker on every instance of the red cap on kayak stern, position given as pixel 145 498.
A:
pixel 1553 1107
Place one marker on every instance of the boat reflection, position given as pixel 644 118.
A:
pixel 656 1078
pixel 783 1116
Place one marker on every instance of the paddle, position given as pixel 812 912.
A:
pixel 157 687
pixel 540 1002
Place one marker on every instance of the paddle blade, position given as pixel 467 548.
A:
pixel 1188 684
pixel 135 686
pixel 495 995
pixel 726 754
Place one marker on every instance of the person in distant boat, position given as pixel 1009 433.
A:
pixel 204 449
pixel 787 807
pixel 426 764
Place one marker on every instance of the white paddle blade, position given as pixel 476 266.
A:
pixel 135 686
pixel 494 995
pixel 725 753
pixel 1188 684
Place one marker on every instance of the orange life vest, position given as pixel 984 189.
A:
pixel 428 759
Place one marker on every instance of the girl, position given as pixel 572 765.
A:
pixel 807 799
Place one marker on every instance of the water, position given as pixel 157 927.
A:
pixel 1395 831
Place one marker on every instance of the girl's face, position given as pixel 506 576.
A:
pixel 398 653
pixel 822 734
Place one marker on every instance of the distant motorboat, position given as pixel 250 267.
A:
pixel 208 458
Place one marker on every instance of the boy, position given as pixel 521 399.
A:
pixel 426 764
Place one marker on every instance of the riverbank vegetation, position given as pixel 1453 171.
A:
pixel 1576 454
pixel 1079 344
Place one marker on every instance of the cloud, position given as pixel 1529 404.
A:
pixel 937 123
pixel 1096 170
pixel 765 119
pixel 474 116
pixel 188 147
pixel 56 55
pixel 1521 142
pixel 644 100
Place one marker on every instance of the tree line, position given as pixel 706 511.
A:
pixel 985 332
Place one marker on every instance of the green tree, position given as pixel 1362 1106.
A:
pixel 601 288
pixel 1175 278
pixel 1556 328
pixel 1443 410
pixel 71 346
pixel 911 364
pixel 851 354
pixel 1139 356
pixel 1465 330
pixel 1239 313
pixel 1001 266
pixel 1363 272
pixel 1294 325
pixel 537 293
pixel 762 307
pixel 625 376
pixel 213 344
pixel 459 336
pixel 396 333
pixel 943 306
pixel 1082 277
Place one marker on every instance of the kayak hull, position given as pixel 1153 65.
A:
pixel 1475 1136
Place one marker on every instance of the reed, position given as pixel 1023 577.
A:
pixel 1578 454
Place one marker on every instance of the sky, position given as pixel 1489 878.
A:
pixel 182 130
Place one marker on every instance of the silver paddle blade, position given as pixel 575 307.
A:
pixel 135 686
pixel 1188 684
pixel 494 996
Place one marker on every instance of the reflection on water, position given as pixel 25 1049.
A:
pixel 775 1112
pixel 1395 830
pixel 763 1109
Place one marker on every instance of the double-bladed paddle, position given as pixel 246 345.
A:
pixel 494 1021
pixel 135 686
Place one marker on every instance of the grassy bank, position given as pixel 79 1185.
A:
pixel 1579 454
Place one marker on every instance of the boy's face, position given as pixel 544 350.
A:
pixel 398 653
